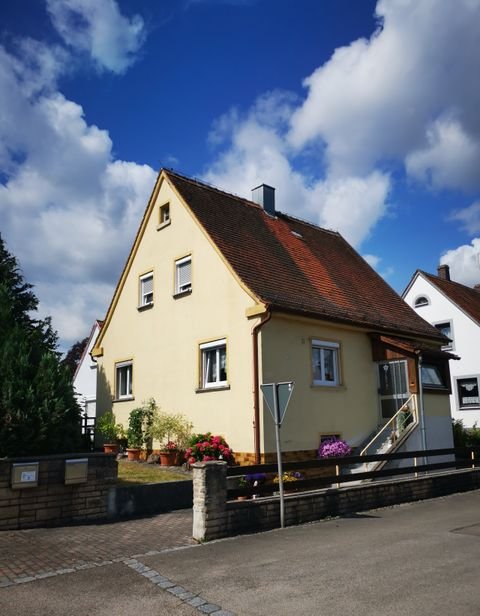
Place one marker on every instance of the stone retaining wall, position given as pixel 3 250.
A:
pixel 51 502
pixel 214 517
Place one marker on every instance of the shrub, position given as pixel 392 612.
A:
pixel 172 428
pixel 206 447
pixel 140 425
pixel 334 448
pixel 109 428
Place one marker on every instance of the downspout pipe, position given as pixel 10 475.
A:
pixel 421 408
pixel 256 383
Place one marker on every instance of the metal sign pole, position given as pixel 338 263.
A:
pixel 279 455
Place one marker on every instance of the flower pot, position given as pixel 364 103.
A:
pixel 168 458
pixel 133 454
pixel 110 448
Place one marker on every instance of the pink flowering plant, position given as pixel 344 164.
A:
pixel 171 446
pixel 206 447
pixel 334 448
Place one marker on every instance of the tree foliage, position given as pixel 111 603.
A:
pixel 38 410
pixel 74 355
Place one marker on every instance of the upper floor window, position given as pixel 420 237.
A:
pixel 183 275
pixel 164 215
pixel 214 363
pixel 421 301
pixel 325 363
pixel 146 290
pixel 446 329
pixel 468 392
pixel 124 379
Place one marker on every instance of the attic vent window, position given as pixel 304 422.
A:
pixel 421 301
pixel 164 216
pixel 296 234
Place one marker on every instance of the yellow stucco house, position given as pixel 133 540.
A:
pixel 220 294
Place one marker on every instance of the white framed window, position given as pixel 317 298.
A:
pixel 124 380
pixel 447 330
pixel 213 364
pixel 325 363
pixel 183 275
pixel 146 290
pixel 468 391
pixel 164 215
pixel 420 301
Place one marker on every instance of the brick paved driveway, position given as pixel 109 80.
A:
pixel 27 555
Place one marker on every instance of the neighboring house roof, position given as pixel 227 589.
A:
pixel 98 324
pixel 295 266
pixel 466 298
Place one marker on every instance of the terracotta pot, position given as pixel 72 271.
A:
pixel 133 454
pixel 168 458
pixel 110 448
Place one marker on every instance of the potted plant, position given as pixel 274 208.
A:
pixel 173 431
pixel 111 431
pixel 135 434
pixel 334 448
pixel 205 447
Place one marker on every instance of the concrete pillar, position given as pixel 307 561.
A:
pixel 209 500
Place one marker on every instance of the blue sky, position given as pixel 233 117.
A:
pixel 364 115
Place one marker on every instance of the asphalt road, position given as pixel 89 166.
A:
pixel 419 559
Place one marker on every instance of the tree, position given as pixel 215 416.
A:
pixel 74 355
pixel 38 410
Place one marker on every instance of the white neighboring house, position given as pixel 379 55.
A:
pixel 85 378
pixel 454 309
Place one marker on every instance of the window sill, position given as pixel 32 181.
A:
pixel 469 408
pixel 328 387
pixel 162 225
pixel 145 307
pixel 437 390
pixel 182 294
pixel 125 399
pixel 202 390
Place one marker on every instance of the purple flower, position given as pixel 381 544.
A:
pixel 334 448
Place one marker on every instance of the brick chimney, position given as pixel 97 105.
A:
pixel 443 272
pixel 265 196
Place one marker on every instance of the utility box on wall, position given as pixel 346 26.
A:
pixel 76 471
pixel 24 475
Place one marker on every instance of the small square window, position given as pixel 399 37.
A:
pixel 468 392
pixel 146 290
pixel 433 376
pixel 123 383
pixel 164 214
pixel 183 275
pixel 325 363
pixel 214 364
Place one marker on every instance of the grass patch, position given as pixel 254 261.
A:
pixel 133 473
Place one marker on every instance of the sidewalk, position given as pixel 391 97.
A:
pixel 418 558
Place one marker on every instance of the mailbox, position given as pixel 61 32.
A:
pixel 24 475
pixel 76 471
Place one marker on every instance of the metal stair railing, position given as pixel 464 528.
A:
pixel 396 426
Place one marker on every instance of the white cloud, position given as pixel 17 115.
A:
pixel 464 263
pixel 98 28
pixel 68 209
pixel 449 160
pixel 469 218
pixel 408 93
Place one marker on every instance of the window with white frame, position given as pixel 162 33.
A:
pixel 183 275
pixel 446 329
pixel 214 364
pixel 124 374
pixel 468 392
pixel 325 363
pixel 164 214
pixel 146 290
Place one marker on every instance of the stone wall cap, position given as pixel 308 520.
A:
pixel 209 463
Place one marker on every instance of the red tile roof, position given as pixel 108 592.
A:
pixel 295 266
pixel 466 298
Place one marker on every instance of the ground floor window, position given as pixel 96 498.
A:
pixel 214 364
pixel 124 379
pixel 468 392
pixel 325 363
